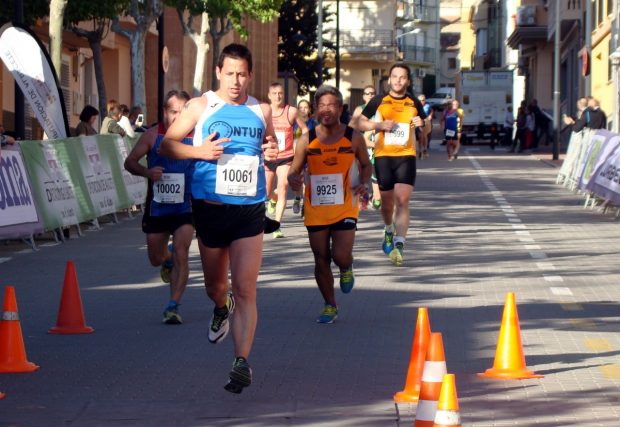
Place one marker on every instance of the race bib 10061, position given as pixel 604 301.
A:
pixel 170 188
pixel 237 175
pixel 327 189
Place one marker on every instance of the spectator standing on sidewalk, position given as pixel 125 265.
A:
pixel 88 117
pixel 593 117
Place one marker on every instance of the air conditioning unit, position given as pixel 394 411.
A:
pixel 526 15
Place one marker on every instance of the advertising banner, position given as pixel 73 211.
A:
pixel 98 177
pixel 601 146
pixel 28 61
pixel 54 192
pixel 605 182
pixel 18 214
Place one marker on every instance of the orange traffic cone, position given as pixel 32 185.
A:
pixel 509 359
pixel 419 346
pixel 434 370
pixel 448 407
pixel 12 350
pixel 71 314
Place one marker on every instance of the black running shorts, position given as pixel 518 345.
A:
pixel 164 224
pixel 218 226
pixel 342 225
pixel 272 165
pixel 394 170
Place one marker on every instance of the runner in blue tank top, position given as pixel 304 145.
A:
pixel 168 209
pixel 233 135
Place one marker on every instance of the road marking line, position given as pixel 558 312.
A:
pixel 538 255
pixel 526 239
pixel 584 324
pixel 532 247
pixel 611 371
pixel 571 306
pixel 24 251
pixel 522 232
pixel 4 260
pixel 509 210
pixel 551 278
pixel 561 291
pixel 545 266
pixel 597 344
pixel 51 244
pixel 518 226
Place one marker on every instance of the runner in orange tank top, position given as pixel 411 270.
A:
pixel 338 171
pixel 397 115
pixel 283 118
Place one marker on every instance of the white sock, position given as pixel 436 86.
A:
pixel 389 228
pixel 399 239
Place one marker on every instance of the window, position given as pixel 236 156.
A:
pixel 451 63
pixel 609 52
pixel 599 11
pixel 610 7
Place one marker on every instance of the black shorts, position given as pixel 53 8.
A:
pixel 218 226
pixel 454 137
pixel 395 170
pixel 342 225
pixel 272 165
pixel 165 224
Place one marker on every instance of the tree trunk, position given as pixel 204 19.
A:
pixel 95 47
pixel 202 48
pixel 215 56
pixel 138 87
pixel 57 12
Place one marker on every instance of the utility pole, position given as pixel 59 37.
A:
pixel 337 44
pixel 20 110
pixel 556 82
pixel 320 43
pixel 160 68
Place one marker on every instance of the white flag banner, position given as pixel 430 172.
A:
pixel 27 60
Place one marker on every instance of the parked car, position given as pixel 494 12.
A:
pixel 439 98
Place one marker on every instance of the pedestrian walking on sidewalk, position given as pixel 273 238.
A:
pixel 332 152
pixel 233 135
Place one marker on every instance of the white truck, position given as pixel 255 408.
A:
pixel 485 97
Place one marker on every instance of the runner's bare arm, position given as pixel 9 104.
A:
pixel 295 174
pixel 365 124
pixel 361 154
pixel 270 142
pixel 141 149
pixel 172 146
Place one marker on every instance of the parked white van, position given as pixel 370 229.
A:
pixel 439 98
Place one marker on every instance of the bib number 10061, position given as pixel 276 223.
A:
pixel 236 175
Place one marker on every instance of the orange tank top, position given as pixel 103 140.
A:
pixel 328 197
pixel 401 140
pixel 284 133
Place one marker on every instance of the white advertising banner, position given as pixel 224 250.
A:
pixel 25 58
pixel 16 201
pixel 99 179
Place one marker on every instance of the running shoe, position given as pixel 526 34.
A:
pixel 171 315
pixel 376 204
pixel 328 315
pixel 347 280
pixel 278 234
pixel 240 376
pixel 166 268
pixel 388 242
pixel 396 255
pixel 297 205
pixel 271 207
pixel 219 322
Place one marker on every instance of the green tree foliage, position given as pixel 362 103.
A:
pixel 298 42
pixel 99 15
pixel 33 10
pixel 224 16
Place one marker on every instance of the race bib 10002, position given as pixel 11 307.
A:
pixel 170 188
pixel 237 175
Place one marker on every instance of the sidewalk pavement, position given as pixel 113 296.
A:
pixel 484 225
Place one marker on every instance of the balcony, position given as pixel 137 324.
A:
pixel 528 29
pixel 418 55
pixel 570 12
pixel 366 41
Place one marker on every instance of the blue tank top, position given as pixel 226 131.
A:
pixel 238 177
pixel 452 120
pixel 172 184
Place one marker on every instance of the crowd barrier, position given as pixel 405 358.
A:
pixel 52 184
pixel 592 167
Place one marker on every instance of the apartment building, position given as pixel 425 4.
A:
pixel 77 76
